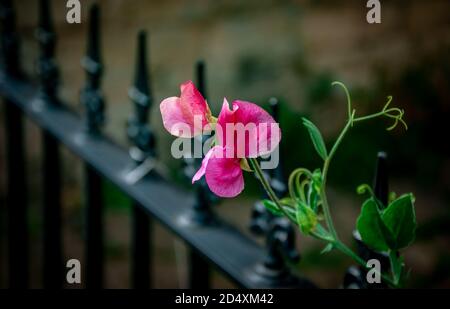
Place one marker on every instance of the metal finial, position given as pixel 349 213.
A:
pixel 142 77
pixel 200 75
pixel 381 180
pixel 93 47
pixel 277 177
pixel 45 16
pixel 91 96
pixel 139 132
pixel 47 67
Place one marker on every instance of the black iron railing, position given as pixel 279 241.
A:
pixel 212 241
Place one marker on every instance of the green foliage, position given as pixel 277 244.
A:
pixel 400 219
pixel 306 218
pixel 371 227
pixel 272 207
pixel 382 229
pixel 327 248
pixel 286 204
pixel 316 138
pixel 390 229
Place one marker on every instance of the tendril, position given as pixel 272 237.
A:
pixel 297 192
pixel 349 100
pixel 389 112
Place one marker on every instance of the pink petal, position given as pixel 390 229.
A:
pixel 223 175
pixel 173 119
pixel 202 169
pixel 254 133
pixel 193 102
pixel 187 115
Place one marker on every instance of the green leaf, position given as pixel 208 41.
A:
pixel 327 248
pixel 306 218
pixel 314 188
pixel 324 234
pixel 272 207
pixel 400 219
pixel 371 227
pixel 285 202
pixel 316 138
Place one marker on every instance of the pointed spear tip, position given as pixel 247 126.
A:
pixel 274 107
pixel 273 102
pixel 93 38
pixel 141 70
pixel 94 16
pixel 45 16
pixel 142 34
pixel 94 9
pixel 200 63
pixel 142 47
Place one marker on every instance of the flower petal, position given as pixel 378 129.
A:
pixel 187 115
pixel 173 119
pixel 248 129
pixel 267 131
pixel 202 169
pixel 193 102
pixel 223 175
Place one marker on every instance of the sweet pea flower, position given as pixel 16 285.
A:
pixel 188 115
pixel 245 131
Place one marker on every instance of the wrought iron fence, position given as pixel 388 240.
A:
pixel 211 240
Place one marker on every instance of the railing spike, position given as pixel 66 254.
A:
pixel 9 39
pixel 200 75
pixel 91 96
pixel 142 77
pixel 138 130
pixel 47 67
pixel 45 16
pixel 93 45
pixel 381 179
pixel 278 232
pixel 278 180
pixel 16 191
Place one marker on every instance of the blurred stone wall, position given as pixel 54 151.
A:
pixel 253 49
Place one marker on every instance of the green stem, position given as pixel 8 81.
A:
pixel 326 165
pixel 267 187
pixel 379 114
pixel 346 250
pixel 396 273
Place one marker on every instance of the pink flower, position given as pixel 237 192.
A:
pixel 245 131
pixel 187 115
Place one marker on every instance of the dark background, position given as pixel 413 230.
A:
pixel 254 50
